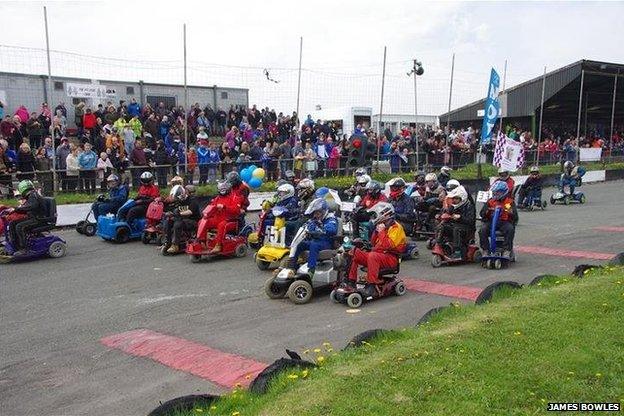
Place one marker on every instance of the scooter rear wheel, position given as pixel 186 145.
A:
pixel 400 289
pixel 57 249
pixel 146 237
pixel 436 260
pixel 195 258
pixel 241 250
pixel 333 296
pixel 262 265
pixel 79 226
pixel 89 229
pixel 498 264
pixel 354 300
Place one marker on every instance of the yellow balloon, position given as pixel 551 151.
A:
pixel 258 173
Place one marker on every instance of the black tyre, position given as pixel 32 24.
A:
pixel 429 314
pixel 262 265
pixel 122 235
pixel 261 383
pixel 333 297
pixel 552 200
pixel 274 291
pixel 89 229
pixel 146 237
pixel 300 292
pixel 362 337
pixel 400 289
pixel 539 278
pixel 436 261
pixel 241 250
pixel 354 300
pixel 79 226
pixel 184 404
pixel 617 260
pixel 487 293
pixel 195 258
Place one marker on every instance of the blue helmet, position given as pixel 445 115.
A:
pixel 319 204
pixel 321 192
pixel 499 190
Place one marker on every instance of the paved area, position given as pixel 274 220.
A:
pixel 56 312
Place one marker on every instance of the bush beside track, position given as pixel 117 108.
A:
pixel 557 341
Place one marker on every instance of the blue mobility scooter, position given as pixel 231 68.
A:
pixel 110 227
pixel 572 177
pixel 39 243
pixel 497 258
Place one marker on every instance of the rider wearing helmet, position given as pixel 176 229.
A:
pixel 241 189
pixel 289 176
pixel 221 214
pixel 117 195
pixel 321 229
pixel 35 210
pixel 419 189
pixel 434 196
pixel 504 176
pixel 445 175
pixel 373 196
pixel 460 226
pixel 146 194
pixel 358 188
pixel 305 192
pixel 285 197
pixel 185 212
pixel 388 242
pixel 506 222
pixel 532 187
pixel 404 206
pixel 571 176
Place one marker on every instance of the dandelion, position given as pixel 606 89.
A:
pixel 517 333
pixel 198 410
pixel 213 407
pixel 330 349
pixel 446 349
pixel 570 373
pixel 235 413
pixel 531 393
pixel 366 343
pixel 598 375
pixel 605 304
pixel 327 344
pixel 400 359
pixel 293 376
pixel 556 282
pixel 304 373
pixel 317 350
pixel 461 350
pixel 248 376
pixel 320 359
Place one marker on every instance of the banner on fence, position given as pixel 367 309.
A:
pixel 590 154
pixel 492 108
pixel 508 154
pixel 89 90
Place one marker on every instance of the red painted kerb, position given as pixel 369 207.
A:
pixel 444 289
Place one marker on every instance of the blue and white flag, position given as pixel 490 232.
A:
pixel 492 108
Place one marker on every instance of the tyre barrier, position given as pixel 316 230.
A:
pixel 361 338
pixel 183 404
pixel 260 384
pixel 617 260
pixel 580 270
pixel 487 293
pixel 539 278
pixel 429 314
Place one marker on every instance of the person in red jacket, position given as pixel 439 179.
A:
pixel 240 189
pixel 371 198
pixel 146 194
pixel 503 176
pixel 89 120
pixel 221 214
pixel 388 242
pixel 506 222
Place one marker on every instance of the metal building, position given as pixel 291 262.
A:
pixel 589 84
pixel 396 121
pixel 32 90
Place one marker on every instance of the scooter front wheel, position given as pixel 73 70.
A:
pixel 300 292
pixel 354 300
pixel 272 290
pixel 436 260
pixel 89 229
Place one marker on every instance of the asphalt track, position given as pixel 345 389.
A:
pixel 60 319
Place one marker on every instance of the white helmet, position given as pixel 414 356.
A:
pixel 285 191
pixel 381 212
pixel 147 177
pixel 305 188
pixel 452 184
pixel 359 172
pixel 503 173
pixel 431 177
pixel 178 192
pixel 459 192
pixel 445 169
pixel 363 180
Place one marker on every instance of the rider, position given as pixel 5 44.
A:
pixel 321 229
pixel 532 186
pixel 305 192
pixel 285 197
pixel 358 188
pixel 360 213
pixel 506 222
pixel 445 175
pixel 146 194
pixel 117 195
pixel 571 176
pixel 461 224
pixel 434 196
pixel 418 190
pixel 388 242
pixel 225 210
pixel 240 189
pixel 186 212
pixel 404 206
pixel 35 210
pixel 504 176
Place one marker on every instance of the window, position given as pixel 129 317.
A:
pixel 224 95
pixel 153 100
pixel 75 101
pixel 129 90
pixel 58 86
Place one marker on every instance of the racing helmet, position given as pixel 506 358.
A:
pixel 177 180
pixel 190 190
pixel 359 172
pixel 381 212
pixel 318 205
pixel 321 192
pixel 499 190
pixel 289 175
pixel 420 178
pixel 568 166
pixel 363 180
pixel 503 173
pixel 178 193
pixel 445 170
pixel 233 178
pixel 285 191
pixel 534 169
pixel 452 184
pixel 112 180
pixel 305 188
pixel 460 193
pixel 373 188
pixel 224 187
pixel 24 186
pixel 147 178
pixel 397 187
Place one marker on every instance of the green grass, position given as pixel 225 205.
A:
pixel 561 341
pixel 467 172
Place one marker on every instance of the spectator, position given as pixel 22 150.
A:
pixel 79 112
pixel 61 107
pixel 191 157
pixel 44 155
pixel 203 161
pixel 62 151
pixel 22 114
pixel 227 156
pixel 161 160
pixel 134 109
pixel 34 130
pixel 139 162
pixel 26 163
pixel 104 168
pixel 136 126
pixel 73 167
pixel 87 162
pixel 129 138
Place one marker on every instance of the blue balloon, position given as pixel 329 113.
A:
pixel 255 183
pixel 252 168
pixel 246 174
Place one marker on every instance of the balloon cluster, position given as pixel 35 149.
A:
pixel 252 176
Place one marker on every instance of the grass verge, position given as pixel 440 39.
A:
pixel 560 341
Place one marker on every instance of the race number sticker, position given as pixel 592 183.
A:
pixel 483 196
pixel 276 237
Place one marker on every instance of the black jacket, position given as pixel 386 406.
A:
pixel 34 206
pixel 467 214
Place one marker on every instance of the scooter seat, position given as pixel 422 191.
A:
pixel 326 255
pixel 388 272
pixel 42 228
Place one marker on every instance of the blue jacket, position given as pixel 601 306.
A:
pixel 117 196
pixel 87 160
pixel 323 231
pixel 134 109
pixel 292 204
pixel 206 156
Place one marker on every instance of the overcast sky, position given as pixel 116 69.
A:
pixel 343 44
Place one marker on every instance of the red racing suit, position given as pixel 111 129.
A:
pixel 387 247
pixel 221 214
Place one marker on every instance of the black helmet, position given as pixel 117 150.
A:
pixel 420 178
pixel 147 178
pixel 233 178
pixel 373 188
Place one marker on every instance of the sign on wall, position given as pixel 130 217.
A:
pixel 590 154
pixel 89 90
